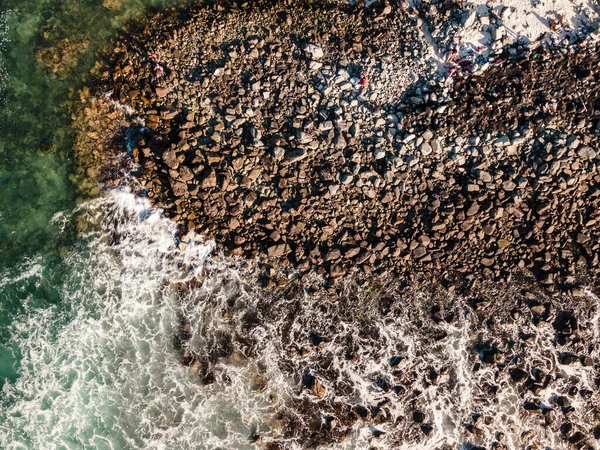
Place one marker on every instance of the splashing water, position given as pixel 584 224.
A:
pixel 99 370
pixel 47 50
pixel 98 345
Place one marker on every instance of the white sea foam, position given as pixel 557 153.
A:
pixel 100 369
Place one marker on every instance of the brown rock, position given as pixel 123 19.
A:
pixel 293 156
pixel 170 159
pixel 487 262
pixel 278 250
pixel 419 252
pixel 179 189
pixel 333 254
pixel 162 92
pixel 208 178
pixel 473 209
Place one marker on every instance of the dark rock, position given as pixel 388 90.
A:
pixel 419 416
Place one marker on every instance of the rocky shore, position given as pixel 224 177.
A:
pixel 387 367
pixel 431 187
pixel 312 136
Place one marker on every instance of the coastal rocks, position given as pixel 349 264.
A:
pixel 388 347
pixel 314 51
pixel 279 250
pixel 293 156
pixel 112 4
pixel 375 218
pixel 343 169
pixel 62 58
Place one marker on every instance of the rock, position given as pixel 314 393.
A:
pixel 351 252
pixel 425 149
pixel 518 374
pixel 489 354
pixel 485 176
pixel 469 18
pixel 565 322
pixel 395 360
pixel 408 138
pixel 346 178
pixel 503 243
pixel 487 262
pixel 318 390
pixel 497 33
pixel 538 309
pixel 278 153
pixel 567 358
pixel 315 51
pixel 185 174
pixel 473 209
pixel 508 186
pixel 162 92
pixel 292 156
pixel 532 408
pixel 379 153
pixel 426 428
pixel 179 189
pixel 419 252
pixel 333 254
pixel 278 250
pixel 170 159
pixel 336 271
pixel 419 416
pixel 349 156
pixel 502 141
pixel 208 179
pixel 314 65
pixel 112 4
pixel 586 153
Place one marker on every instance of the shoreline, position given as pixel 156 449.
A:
pixel 374 172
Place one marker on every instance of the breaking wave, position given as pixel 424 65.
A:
pixel 154 343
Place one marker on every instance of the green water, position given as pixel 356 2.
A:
pixel 48 48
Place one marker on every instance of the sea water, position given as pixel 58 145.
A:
pixel 93 361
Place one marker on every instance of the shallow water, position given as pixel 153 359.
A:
pixel 47 49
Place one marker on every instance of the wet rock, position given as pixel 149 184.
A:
pixel 567 358
pixel 419 416
pixel 518 374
